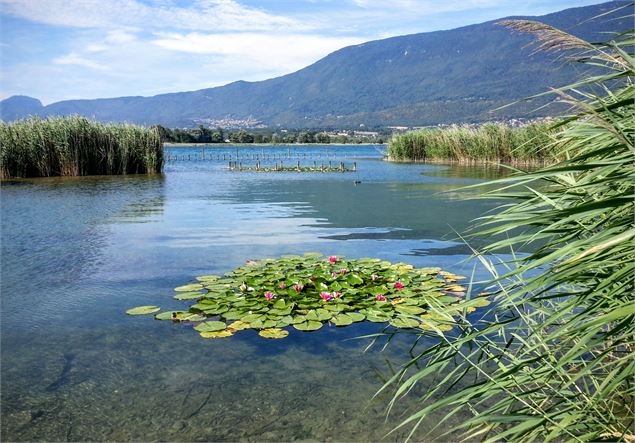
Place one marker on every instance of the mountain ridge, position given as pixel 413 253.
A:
pixel 455 75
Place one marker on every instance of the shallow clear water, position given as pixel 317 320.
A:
pixel 78 252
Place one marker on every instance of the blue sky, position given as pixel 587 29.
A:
pixel 65 49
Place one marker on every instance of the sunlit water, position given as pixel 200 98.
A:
pixel 78 252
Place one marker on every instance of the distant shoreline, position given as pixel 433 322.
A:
pixel 224 145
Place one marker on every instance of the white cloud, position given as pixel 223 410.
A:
pixel 207 15
pixel 76 59
pixel 281 52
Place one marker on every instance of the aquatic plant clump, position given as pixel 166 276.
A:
pixel 495 142
pixel 307 292
pixel 73 146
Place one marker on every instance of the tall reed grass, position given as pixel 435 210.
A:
pixel 554 358
pixel 68 146
pixel 493 142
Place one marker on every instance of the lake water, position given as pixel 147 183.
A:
pixel 78 252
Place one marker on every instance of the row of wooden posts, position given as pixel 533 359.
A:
pixel 197 157
pixel 234 165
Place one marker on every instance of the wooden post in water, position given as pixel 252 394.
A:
pixel 330 164
pixel 258 165
pixel 354 166
pixel 298 165
pixel 342 166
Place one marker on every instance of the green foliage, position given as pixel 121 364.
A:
pixel 305 292
pixel 77 146
pixel 553 360
pixel 142 310
pixel 494 142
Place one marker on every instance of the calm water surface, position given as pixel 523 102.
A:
pixel 78 252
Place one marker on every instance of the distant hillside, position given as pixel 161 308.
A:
pixel 457 75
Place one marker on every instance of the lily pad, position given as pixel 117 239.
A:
pixel 273 333
pixel 409 309
pixel 188 295
pixel 141 310
pixel 342 320
pixel 189 288
pixel 216 334
pixel 404 322
pixel 168 315
pixel 308 326
pixel 210 326
pixel 239 326
pixel 356 316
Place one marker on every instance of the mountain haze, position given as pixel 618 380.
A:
pixel 457 75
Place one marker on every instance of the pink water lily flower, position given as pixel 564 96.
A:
pixel 334 274
pixel 343 271
pixel 282 286
pixel 399 285
pixel 298 287
pixel 270 295
pixel 336 294
pixel 333 259
pixel 374 277
pixel 380 297
pixel 326 296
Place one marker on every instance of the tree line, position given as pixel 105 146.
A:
pixel 201 134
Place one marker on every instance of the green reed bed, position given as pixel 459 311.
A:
pixel 494 142
pixel 553 359
pixel 72 146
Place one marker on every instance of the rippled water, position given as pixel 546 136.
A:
pixel 78 252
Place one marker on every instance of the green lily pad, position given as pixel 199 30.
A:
pixel 479 302
pixel 308 326
pixel 273 333
pixel 263 324
pixel 250 318
pixel 189 316
pixel 404 322
pixel 167 315
pixel 210 326
pixel 409 309
pixel 189 288
pixel 207 278
pixel 141 310
pixel 356 316
pixel 188 295
pixel 342 320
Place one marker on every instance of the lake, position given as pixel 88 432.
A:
pixel 78 252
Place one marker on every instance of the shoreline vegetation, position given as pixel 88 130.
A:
pixel 256 145
pixel 463 144
pixel 77 146
pixel 553 359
